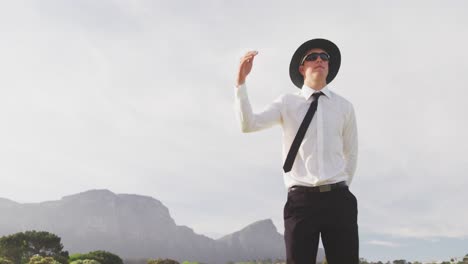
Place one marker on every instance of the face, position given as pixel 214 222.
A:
pixel 317 68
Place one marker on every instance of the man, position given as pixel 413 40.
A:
pixel 320 153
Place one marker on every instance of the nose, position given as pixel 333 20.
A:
pixel 319 61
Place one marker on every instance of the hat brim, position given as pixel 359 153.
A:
pixel 326 45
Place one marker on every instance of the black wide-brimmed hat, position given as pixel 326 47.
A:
pixel 333 65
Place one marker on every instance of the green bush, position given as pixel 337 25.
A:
pixel 21 247
pixel 103 257
pixel 42 260
pixel 85 261
pixel 162 261
pixel 5 261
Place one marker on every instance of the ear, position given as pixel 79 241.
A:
pixel 301 69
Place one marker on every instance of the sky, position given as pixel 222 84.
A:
pixel 137 97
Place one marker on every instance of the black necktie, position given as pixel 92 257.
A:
pixel 301 133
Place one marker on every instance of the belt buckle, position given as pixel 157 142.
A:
pixel 325 188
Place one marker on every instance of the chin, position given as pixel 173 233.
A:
pixel 319 74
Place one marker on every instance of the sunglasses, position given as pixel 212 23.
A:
pixel 314 56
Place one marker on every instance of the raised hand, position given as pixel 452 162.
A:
pixel 245 66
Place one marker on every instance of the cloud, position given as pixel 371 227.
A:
pixel 383 243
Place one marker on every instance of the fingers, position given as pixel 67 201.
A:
pixel 249 56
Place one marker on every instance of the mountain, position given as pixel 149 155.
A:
pixel 135 227
pixel 256 241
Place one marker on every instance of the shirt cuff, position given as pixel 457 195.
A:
pixel 240 91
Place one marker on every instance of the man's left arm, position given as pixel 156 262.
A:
pixel 350 143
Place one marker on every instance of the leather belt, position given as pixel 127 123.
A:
pixel 321 188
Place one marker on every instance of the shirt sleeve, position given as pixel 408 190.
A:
pixel 350 144
pixel 250 121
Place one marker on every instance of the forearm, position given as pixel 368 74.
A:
pixel 250 121
pixel 243 109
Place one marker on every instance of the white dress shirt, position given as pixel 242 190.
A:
pixel 328 152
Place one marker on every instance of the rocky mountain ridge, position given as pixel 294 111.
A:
pixel 135 226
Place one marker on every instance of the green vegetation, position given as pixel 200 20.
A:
pixel 19 248
pixel 85 261
pixel 33 247
pixel 5 261
pixel 42 260
pixel 402 261
pixel 101 257
pixel 162 261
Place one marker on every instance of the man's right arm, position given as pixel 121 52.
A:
pixel 250 121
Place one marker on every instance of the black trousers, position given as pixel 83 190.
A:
pixel 333 215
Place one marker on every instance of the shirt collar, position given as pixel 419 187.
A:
pixel 306 91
